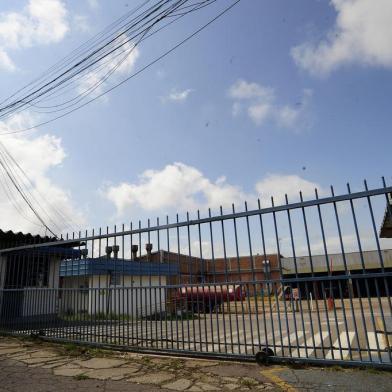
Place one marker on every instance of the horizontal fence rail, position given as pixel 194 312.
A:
pixel 305 281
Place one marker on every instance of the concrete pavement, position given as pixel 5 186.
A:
pixel 39 366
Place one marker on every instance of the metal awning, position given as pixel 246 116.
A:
pixel 386 227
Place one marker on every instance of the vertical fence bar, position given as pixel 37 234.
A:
pixel 243 287
pixel 298 288
pixel 366 282
pixel 340 286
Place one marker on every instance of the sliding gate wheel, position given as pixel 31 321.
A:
pixel 262 357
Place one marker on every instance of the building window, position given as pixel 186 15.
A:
pixel 27 272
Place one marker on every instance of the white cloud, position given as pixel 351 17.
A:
pixel 261 106
pixel 236 109
pixel 362 34
pixel 180 186
pixel 41 22
pixel 81 23
pixel 241 89
pixel 290 116
pixel 94 4
pixel 178 95
pixel 277 186
pixel 120 62
pixel 260 112
pixel 5 62
pixel 184 188
pixel 36 155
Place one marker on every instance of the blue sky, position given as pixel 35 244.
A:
pixel 275 96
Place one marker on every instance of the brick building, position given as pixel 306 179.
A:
pixel 243 269
pixel 226 270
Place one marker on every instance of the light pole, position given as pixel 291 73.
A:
pixel 267 273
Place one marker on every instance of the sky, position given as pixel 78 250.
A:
pixel 275 97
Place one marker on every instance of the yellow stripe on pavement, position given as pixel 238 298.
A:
pixel 273 377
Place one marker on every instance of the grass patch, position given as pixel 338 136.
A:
pixel 101 316
pixel 146 360
pixel 374 370
pixel 82 376
pixel 335 368
pixel 76 350
pixel 248 382
pixel 184 316
pixel 176 364
pixel 73 350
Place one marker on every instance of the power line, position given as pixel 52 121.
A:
pixel 12 199
pixel 24 196
pixel 142 27
pixel 165 54
pixel 25 181
pixel 154 13
pixel 67 59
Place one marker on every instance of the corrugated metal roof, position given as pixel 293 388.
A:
pixel 9 239
pixel 386 226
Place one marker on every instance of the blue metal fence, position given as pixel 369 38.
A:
pixel 304 281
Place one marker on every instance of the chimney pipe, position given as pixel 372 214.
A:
pixel 108 251
pixel 134 249
pixel 116 249
pixel 148 249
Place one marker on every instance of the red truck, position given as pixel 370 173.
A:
pixel 204 299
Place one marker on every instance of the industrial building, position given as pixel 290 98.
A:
pixel 24 272
pixel 96 285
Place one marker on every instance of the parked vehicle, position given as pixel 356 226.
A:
pixel 206 298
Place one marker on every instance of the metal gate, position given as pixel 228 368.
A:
pixel 305 280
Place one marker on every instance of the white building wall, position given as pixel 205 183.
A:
pixel 139 296
pixel 45 300
pixel 38 301
pixel 74 296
